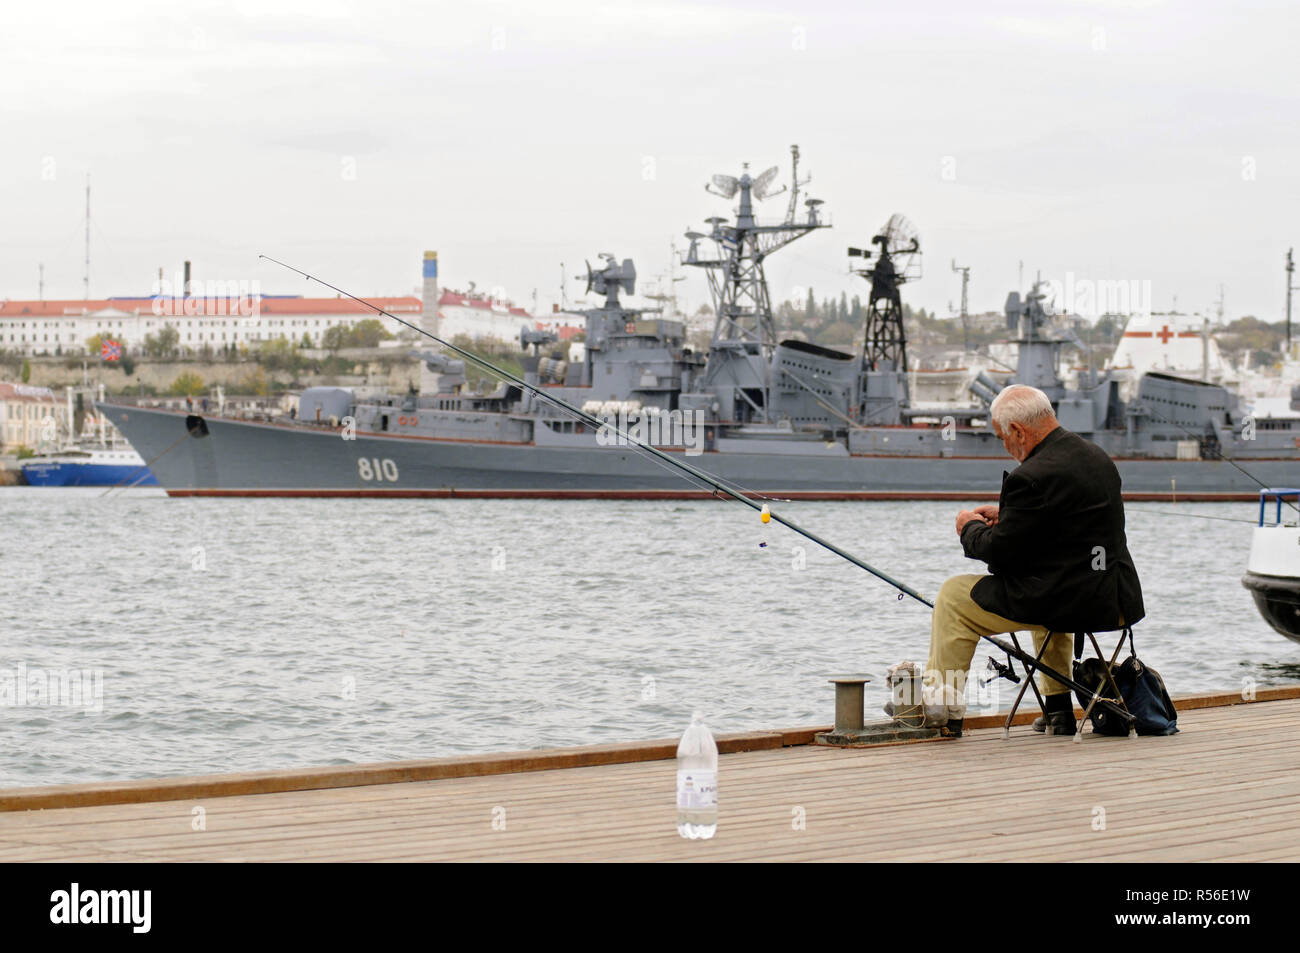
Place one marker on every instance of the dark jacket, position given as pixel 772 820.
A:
pixel 1057 555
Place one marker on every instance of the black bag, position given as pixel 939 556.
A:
pixel 1144 695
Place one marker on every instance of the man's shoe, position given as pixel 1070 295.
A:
pixel 1056 723
pixel 952 729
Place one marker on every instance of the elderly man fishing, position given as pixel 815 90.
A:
pixel 1057 558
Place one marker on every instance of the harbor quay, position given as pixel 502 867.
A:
pixel 1223 789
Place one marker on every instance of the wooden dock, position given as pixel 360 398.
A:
pixel 1226 788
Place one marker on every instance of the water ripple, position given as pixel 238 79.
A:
pixel 255 634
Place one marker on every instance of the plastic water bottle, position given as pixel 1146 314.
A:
pixel 697 782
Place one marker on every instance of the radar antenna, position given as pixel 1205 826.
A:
pixel 724 185
pixel 763 184
pixel 897 262
pixel 742 307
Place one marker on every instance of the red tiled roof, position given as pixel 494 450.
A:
pixel 456 299
pixel 210 306
pixel 10 391
pixel 218 307
pixel 563 331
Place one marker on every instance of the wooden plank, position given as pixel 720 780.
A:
pixel 264 782
pixel 1224 788
pixel 755 783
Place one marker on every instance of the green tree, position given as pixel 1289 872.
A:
pixel 367 333
pixel 94 343
pixel 335 338
pixel 162 344
pixel 187 384
pixel 306 340
pixel 256 382
pixel 838 334
pixel 370 332
pixel 26 374
pixel 169 339
pixel 278 354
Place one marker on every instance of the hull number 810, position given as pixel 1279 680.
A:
pixel 383 471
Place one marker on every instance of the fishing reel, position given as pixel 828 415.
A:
pixel 998 670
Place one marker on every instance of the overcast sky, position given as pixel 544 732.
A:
pixel 1114 140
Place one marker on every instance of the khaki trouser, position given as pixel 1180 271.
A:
pixel 955 631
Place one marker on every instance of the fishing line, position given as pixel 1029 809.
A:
pixel 717 483
pixel 1146 406
pixel 1222 456
pixel 144 470
pixel 1196 516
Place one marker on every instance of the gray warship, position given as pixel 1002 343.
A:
pixel 785 418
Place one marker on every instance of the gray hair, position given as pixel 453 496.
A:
pixel 1020 404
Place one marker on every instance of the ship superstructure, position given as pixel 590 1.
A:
pixel 785 417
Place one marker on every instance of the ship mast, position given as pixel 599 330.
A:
pixel 86 280
pixel 1037 349
pixel 1290 270
pixel 742 307
pixel 964 271
pixel 665 294
pixel 898 260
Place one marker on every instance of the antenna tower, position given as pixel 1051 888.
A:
pixel 737 283
pixel 898 261
pixel 964 270
pixel 86 280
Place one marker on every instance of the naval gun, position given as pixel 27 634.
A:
pixel 439 373
pixel 549 370
pixel 611 278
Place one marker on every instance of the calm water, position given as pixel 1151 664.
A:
pixel 254 634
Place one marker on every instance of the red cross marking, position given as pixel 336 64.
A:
pixel 1164 334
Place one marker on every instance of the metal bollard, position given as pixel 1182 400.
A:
pixel 850 729
pixel 849 696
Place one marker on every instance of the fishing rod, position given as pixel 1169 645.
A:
pixel 719 485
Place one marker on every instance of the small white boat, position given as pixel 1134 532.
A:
pixel 1273 572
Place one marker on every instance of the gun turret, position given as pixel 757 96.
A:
pixel 612 278
pixel 439 373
